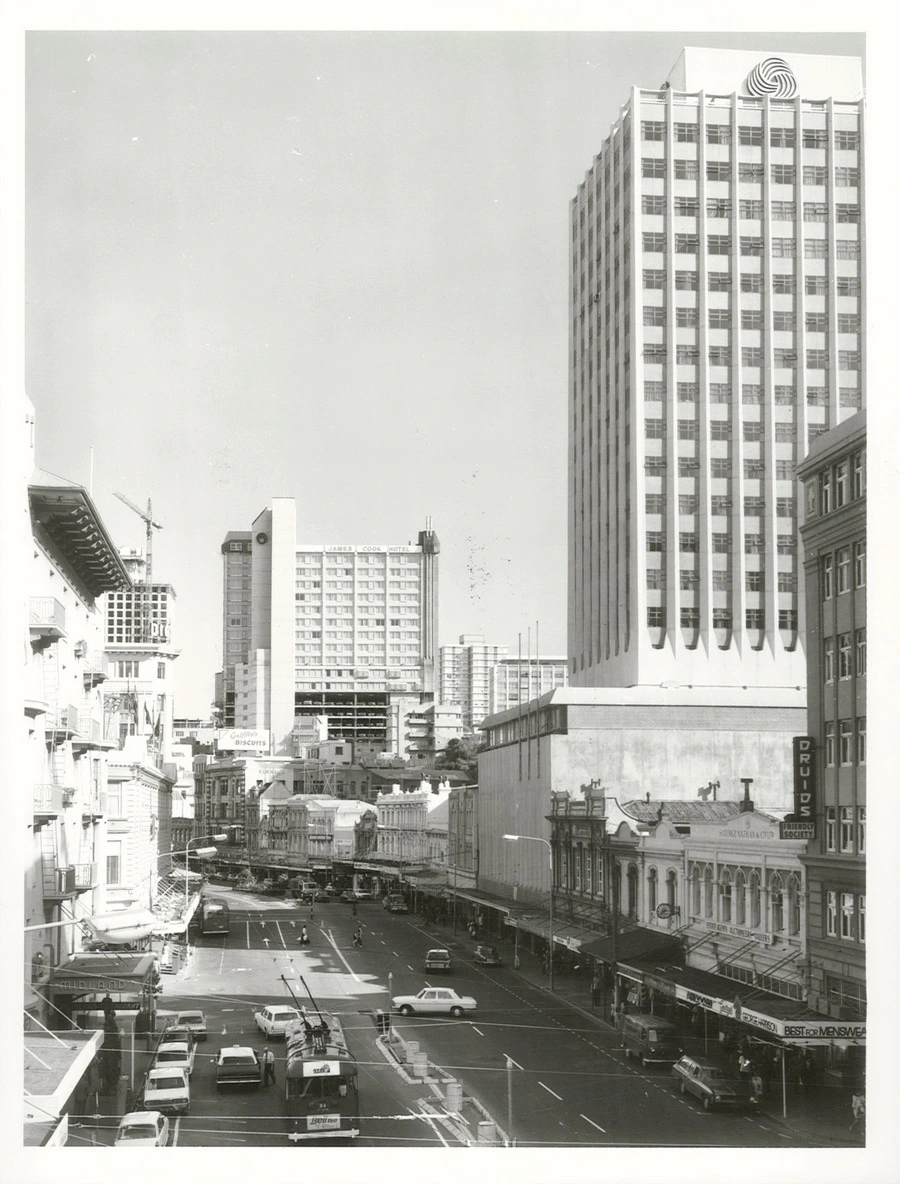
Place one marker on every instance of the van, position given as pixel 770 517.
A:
pixel 651 1038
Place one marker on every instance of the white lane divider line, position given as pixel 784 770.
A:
pixel 549 1091
pixel 175 1131
pixel 334 946
pixel 281 935
pixel 478 1030
pixel 248 934
pixel 591 1121
pixel 408 967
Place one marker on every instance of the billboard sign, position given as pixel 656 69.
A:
pixel 798 830
pixel 804 779
pixel 243 740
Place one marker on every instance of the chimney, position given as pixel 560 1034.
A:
pixel 746 804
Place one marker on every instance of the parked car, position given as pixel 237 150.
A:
pixel 175 1054
pixel 487 956
pixel 167 1089
pixel 437 960
pixel 275 1018
pixel 193 1021
pixel 237 1065
pixel 434 1001
pixel 711 1083
pixel 652 1039
pixel 175 1034
pixel 363 894
pixel 394 903
pixel 143 1128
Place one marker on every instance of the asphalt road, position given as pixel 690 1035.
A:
pixel 570 1083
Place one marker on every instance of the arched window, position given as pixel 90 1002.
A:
pixel 754 901
pixel 632 890
pixel 776 896
pixel 652 890
pixel 793 895
pixel 708 892
pixel 671 881
pixel 695 891
pixel 725 895
pixel 740 899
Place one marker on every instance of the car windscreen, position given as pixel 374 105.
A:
pixel 138 1132
pixel 190 1017
pixel 172 1053
pixel 279 1017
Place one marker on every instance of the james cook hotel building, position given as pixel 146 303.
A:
pixel 346 632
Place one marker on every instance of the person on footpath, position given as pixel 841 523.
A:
pixel 757 1082
pixel 269 1067
pixel 858 1105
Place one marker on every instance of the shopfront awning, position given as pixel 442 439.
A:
pixel 775 1016
pixel 99 973
pixel 573 937
pixel 122 928
pixel 632 943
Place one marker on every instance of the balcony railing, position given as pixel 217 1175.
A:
pixel 47 617
pixel 60 883
pixel 63 719
pixel 48 800
pixel 95 669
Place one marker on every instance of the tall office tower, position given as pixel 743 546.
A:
pixel 717 313
pixel 514 681
pixel 236 568
pixel 465 676
pixel 346 632
pixel 834 546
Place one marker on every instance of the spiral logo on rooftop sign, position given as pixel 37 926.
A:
pixel 772 77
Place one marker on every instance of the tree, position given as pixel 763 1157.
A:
pixel 462 753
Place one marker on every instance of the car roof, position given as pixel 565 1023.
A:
pixel 233 1048
pixel 190 1013
pixel 140 1116
pixel 437 951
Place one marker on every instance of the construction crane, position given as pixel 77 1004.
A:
pixel 147 605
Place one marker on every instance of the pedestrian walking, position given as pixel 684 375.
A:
pixel 858 1105
pixel 744 1066
pixel 304 936
pixel 269 1066
pixel 357 937
pixel 757 1083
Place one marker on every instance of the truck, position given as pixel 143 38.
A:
pixel 237 1065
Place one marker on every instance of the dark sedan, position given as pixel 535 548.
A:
pixel 712 1083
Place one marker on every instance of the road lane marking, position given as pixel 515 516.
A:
pixel 248 934
pixel 334 946
pixel 591 1121
pixel 408 967
pixel 281 935
pixel 480 1033
pixel 175 1131
pixel 549 1091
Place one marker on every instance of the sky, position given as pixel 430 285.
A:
pixel 328 266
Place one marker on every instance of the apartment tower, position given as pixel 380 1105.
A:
pixel 717 315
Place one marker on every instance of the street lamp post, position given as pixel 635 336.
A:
pixel 549 846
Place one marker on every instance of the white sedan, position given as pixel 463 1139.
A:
pixel 144 1128
pixel 275 1018
pixel 175 1054
pixel 434 1001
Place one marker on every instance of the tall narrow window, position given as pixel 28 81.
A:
pixel 695 892
pixel 827 577
pixel 708 893
pixel 652 890
pixel 862 918
pixel 847 912
pixel 859 564
pixel 725 898
pixel 776 897
pixel 831 914
pixel 754 901
pixel 793 895
pixel 830 828
pixel 829 744
pixel 846 828
pixel 740 899
pixel 861 830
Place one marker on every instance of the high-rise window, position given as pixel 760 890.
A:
pixel 686 170
pixel 718 133
pixel 830 913
pixel 827 577
pixel 686 281
pixel 845 665
pixel 653 166
pixel 860 653
pixel 828 661
pixel 829 744
pixel 830 828
pixel 842 557
pixel 861 740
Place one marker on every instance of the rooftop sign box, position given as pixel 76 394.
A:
pixel 243 740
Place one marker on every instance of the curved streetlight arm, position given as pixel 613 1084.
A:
pixel 549 846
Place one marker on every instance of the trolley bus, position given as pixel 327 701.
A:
pixel 322 1099
pixel 214 917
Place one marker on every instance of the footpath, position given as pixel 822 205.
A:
pixel 819 1113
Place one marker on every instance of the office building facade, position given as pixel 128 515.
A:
pixel 717 327
pixel 834 544
pixel 237 556
pixel 465 676
pixel 514 681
